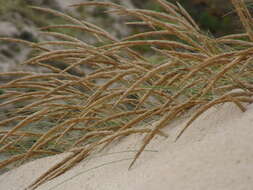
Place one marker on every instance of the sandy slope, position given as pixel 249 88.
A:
pixel 216 153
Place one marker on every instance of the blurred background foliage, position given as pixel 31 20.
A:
pixel 18 20
pixel 214 16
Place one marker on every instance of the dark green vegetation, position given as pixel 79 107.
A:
pixel 213 16
pixel 118 91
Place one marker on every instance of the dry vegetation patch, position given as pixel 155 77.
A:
pixel 110 90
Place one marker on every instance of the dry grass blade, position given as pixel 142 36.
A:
pixel 165 120
pixel 144 78
pixel 22 123
pixel 113 5
pixel 244 15
pixel 31 44
pixel 226 98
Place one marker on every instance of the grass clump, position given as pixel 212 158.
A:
pixel 117 89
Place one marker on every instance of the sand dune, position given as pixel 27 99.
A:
pixel 215 153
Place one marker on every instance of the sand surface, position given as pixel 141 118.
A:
pixel 215 153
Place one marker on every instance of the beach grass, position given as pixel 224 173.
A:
pixel 111 89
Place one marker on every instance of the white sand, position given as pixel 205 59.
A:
pixel 216 153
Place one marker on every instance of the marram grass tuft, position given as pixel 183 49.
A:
pixel 111 90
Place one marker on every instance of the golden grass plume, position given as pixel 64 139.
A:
pixel 110 90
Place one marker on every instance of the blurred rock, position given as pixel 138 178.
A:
pixel 8 29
